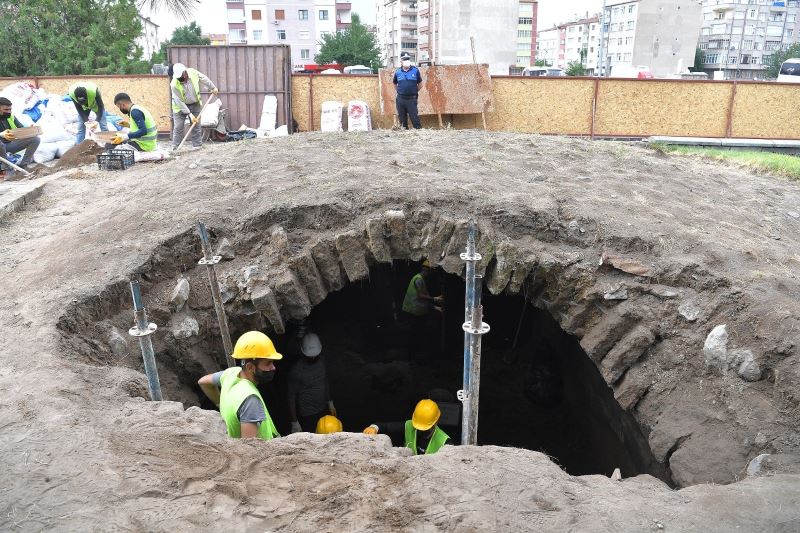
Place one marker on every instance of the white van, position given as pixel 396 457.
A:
pixel 790 71
pixel 536 72
pixel 357 69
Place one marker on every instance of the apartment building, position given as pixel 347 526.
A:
pixel 439 31
pixel 576 41
pixel 739 38
pixel 526 35
pixel 659 35
pixel 148 41
pixel 397 30
pixel 302 24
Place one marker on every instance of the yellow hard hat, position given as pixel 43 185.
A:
pixel 426 264
pixel 426 414
pixel 255 345
pixel 329 424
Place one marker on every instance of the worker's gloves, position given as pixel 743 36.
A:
pixel 332 408
pixel 119 138
pixel 296 427
pixel 215 91
pixel 193 118
pixel 7 135
pixel 124 123
pixel 371 430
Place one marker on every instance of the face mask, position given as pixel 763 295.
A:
pixel 5 115
pixel 263 377
pixel 406 63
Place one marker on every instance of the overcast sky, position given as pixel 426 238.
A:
pixel 211 16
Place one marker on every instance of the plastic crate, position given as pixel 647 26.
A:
pixel 116 159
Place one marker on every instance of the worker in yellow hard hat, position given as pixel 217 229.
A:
pixel 422 434
pixel 234 390
pixel 329 424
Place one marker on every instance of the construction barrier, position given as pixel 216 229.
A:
pixel 592 107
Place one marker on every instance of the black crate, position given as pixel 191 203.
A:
pixel 117 159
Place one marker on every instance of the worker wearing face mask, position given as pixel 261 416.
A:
pixel 234 390
pixel 407 80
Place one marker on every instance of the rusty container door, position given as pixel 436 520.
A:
pixel 244 75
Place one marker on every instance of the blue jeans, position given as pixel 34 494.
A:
pixel 82 126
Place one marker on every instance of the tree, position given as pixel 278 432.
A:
pixel 354 46
pixel 575 68
pixel 777 59
pixel 699 56
pixel 53 37
pixel 540 63
pixel 182 8
pixel 191 34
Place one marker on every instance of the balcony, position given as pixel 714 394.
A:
pixel 408 26
pixel 342 25
pixel 340 6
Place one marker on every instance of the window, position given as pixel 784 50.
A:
pixel 524 33
pixel 408 46
pixel 237 36
pixel 305 53
pixel 255 14
pixel 323 14
pixel 302 14
pixel 304 34
pixel 525 21
pixel 630 25
pixel 711 59
pixel 631 8
pixel 257 35
pixel 281 35
pixel 280 14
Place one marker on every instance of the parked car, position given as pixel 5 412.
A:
pixel 536 72
pixel 627 71
pixel 790 71
pixel 357 69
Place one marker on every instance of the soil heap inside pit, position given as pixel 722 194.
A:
pixel 317 229
pixel 83 153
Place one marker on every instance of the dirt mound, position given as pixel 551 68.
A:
pixel 711 244
pixel 79 155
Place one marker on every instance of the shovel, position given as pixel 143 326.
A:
pixel 195 124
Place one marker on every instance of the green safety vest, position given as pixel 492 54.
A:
pixel 194 77
pixel 435 444
pixel 12 122
pixel 148 141
pixel 411 303
pixel 91 95
pixel 233 391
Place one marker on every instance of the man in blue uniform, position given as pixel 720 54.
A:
pixel 407 80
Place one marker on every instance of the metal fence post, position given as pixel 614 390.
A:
pixel 143 329
pixel 209 260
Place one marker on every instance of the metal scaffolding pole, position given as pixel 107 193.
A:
pixel 142 330
pixel 473 329
pixel 209 260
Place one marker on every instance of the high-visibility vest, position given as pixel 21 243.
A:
pixel 147 142
pixel 91 95
pixel 233 392
pixel 12 123
pixel 194 78
pixel 411 303
pixel 436 442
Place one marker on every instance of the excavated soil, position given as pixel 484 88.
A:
pixel 685 246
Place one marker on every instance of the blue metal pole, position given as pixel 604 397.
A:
pixel 469 295
pixel 143 330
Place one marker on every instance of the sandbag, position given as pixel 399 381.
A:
pixel 63 146
pixel 155 155
pixel 45 153
pixel 358 116
pixel 331 116
pixel 210 115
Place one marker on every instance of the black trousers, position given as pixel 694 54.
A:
pixel 407 107
pixel 309 423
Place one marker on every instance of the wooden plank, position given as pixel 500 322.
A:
pixel 444 90
pixel 26 133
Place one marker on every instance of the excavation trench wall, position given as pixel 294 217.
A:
pixel 285 262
